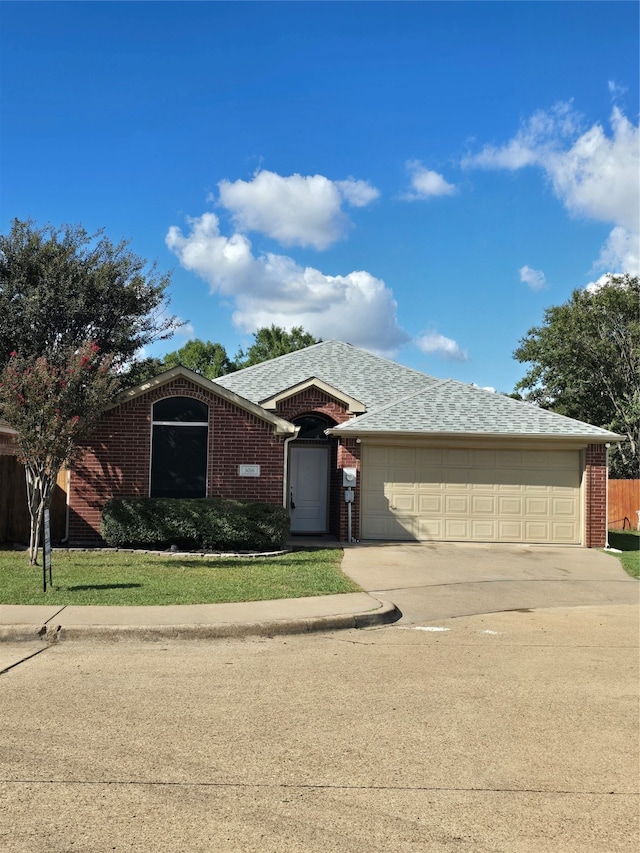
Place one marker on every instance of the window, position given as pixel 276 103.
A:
pixel 180 431
pixel 313 426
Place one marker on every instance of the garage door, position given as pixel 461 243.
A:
pixel 471 495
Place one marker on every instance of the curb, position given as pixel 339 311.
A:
pixel 385 615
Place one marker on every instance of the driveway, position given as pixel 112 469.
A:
pixel 429 581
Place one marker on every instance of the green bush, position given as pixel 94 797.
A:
pixel 194 525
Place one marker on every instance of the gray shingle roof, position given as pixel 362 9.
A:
pixel 373 380
pixel 452 407
pixel 402 400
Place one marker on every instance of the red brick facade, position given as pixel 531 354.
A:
pixel 117 462
pixel 596 496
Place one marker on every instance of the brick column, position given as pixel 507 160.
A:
pixel 596 497
pixel 349 457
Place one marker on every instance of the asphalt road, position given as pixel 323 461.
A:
pixel 510 732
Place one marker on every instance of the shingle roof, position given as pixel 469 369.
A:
pixel 451 407
pixel 402 400
pixel 373 380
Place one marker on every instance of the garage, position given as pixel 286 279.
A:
pixel 467 494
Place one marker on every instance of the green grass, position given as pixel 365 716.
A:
pixel 120 578
pixel 629 543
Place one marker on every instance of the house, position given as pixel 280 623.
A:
pixel 427 459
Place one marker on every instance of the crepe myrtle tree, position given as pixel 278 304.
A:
pixel 53 408
pixel 75 309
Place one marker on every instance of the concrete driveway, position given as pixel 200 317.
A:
pixel 429 581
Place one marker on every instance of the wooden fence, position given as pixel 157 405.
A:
pixel 624 503
pixel 14 511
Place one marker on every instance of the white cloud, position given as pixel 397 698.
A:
pixel 535 279
pixel 357 193
pixel 594 175
pixel 296 210
pixel 425 183
pixel 272 288
pixel 432 343
pixel 615 90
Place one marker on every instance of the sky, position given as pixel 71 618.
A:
pixel 418 179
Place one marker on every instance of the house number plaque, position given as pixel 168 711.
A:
pixel 249 470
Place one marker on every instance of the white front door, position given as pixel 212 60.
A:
pixel 308 489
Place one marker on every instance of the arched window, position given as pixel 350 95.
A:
pixel 312 426
pixel 179 436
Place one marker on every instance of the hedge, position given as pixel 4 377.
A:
pixel 194 525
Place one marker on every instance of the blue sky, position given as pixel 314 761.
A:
pixel 420 179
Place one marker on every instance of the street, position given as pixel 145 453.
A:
pixel 505 732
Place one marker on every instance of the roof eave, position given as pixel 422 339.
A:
pixel 591 439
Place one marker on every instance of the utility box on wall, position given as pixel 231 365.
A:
pixel 349 477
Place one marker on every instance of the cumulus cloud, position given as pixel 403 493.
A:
pixel 426 183
pixel 272 288
pixel 298 210
pixel 433 343
pixel 594 174
pixel 535 279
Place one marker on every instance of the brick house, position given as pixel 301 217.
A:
pixel 433 459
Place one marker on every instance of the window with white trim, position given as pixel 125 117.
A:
pixel 179 439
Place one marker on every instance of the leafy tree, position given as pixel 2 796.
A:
pixel 141 370
pixel 53 408
pixel 61 287
pixel 211 360
pixel 207 358
pixel 585 363
pixel 272 342
pixel 74 309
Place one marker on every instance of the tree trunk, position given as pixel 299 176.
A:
pixel 39 490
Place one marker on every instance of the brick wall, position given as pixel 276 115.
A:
pixel 596 496
pixel 313 401
pixel 117 461
pixel 349 452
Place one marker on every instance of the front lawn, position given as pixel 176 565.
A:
pixel 629 543
pixel 120 578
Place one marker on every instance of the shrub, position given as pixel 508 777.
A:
pixel 194 525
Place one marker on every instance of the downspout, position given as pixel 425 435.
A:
pixel 285 479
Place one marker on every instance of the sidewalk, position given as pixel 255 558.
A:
pixel 197 621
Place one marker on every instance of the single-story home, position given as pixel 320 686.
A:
pixel 354 445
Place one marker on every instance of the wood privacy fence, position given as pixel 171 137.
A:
pixel 624 503
pixel 14 511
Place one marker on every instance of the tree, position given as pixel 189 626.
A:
pixel 74 309
pixel 585 363
pixel 61 287
pixel 272 342
pixel 207 358
pixel 53 408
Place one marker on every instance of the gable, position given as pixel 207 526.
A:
pixel 349 403
pixel 172 379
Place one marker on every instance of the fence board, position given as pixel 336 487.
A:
pixel 14 511
pixel 624 502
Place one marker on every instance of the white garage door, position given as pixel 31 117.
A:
pixel 458 495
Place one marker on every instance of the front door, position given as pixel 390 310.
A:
pixel 308 489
